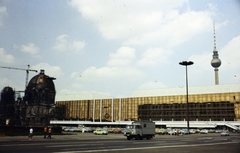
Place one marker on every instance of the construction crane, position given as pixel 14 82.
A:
pixel 27 72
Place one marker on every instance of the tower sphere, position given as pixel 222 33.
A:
pixel 216 62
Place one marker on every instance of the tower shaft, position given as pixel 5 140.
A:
pixel 216 76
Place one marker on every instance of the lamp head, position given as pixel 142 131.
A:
pixel 186 63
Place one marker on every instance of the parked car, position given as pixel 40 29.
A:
pixel 192 131
pixel 211 131
pixel 117 130
pixel 70 129
pixel 88 129
pixel 161 131
pixel 171 132
pixel 100 132
pixel 185 131
pixel 110 130
pixel 225 133
pixel 204 131
pixel 218 131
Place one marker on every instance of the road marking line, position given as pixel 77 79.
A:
pixel 115 147
pixel 156 147
pixel 59 146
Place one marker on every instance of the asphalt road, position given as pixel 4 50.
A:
pixel 117 143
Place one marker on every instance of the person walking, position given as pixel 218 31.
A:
pixel 30 136
pixel 49 133
pixel 83 129
pixel 45 132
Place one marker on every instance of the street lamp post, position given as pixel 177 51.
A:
pixel 187 63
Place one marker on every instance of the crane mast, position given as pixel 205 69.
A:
pixel 27 72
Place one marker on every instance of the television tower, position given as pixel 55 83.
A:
pixel 216 62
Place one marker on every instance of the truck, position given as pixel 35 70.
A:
pixel 140 130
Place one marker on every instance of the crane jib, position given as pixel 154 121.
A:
pixel 27 71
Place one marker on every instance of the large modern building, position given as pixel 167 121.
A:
pixel 206 103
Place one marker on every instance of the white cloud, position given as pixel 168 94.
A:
pixel 119 66
pixel 122 57
pixel 52 71
pixel 185 26
pixel 30 49
pixel 113 73
pixel 154 57
pixel 64 44
pixel 5 82
pixel 144 22
pixel 201 71
pixel 5 58
pixel 3 12
pixel 121 69
pixel 231 52
pixel 212 6
pixel 75 75
pixel 230 55
pixel 152 85
pixel 173 29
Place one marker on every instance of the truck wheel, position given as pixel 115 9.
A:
pixel 137 137
pixel 149 137
pixel 140 138
pixel 129 138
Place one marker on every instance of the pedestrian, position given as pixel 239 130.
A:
pixel 83 129
pixel 45 132
pixel 30 136
pixel 49 133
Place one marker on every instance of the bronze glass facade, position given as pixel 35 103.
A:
pixel 215 107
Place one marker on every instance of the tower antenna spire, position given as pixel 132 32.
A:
pixel 214 36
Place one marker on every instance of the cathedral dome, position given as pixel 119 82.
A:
pixel 8 90
pixel 41 89
pixel 7 95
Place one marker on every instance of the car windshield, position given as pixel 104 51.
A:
pixel 129 127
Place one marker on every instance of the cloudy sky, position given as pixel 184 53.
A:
pixel 113 47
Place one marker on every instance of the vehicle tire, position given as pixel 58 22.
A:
pixel 137 137
pixel 140 137
pixel 149 137
pixel 128 138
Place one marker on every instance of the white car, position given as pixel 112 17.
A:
pixel 204 131
pixel 225 133
pixel 192 131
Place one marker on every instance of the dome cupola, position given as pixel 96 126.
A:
pixel 7 95
pixel 41 89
